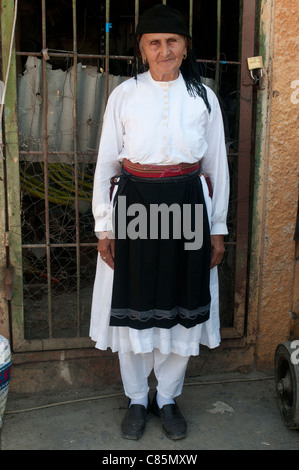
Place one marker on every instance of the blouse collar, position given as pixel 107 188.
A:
pixel 165 84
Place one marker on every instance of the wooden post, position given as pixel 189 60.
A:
pixel 10 231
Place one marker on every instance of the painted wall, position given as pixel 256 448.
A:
pixel 276 190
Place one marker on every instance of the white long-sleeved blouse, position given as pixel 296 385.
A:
pixel 152 122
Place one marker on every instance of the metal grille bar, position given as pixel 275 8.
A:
pixel 75 118
pixel 102 56
pixel 46 175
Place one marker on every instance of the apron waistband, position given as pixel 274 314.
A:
pixel 159 171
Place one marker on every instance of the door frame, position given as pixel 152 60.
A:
pixel 11 256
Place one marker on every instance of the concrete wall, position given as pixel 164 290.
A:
pixel 276 176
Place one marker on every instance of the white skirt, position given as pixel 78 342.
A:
pixel 178 339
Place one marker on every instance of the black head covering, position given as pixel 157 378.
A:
pixel 162 19
pixel 165 19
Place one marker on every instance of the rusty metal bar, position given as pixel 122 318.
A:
pixel 136 16
pixel 190 17
pixel 122 57
pixel 90 154
pixel 45 153
pixel 55 152
pixel 107 47
pixel 73 245
pixel 56 245
pixel 75 109
pixel 136 12
pixel 226 62
pixel 71 54
pixel 217 73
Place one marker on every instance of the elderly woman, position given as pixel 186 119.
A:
pixel 156 289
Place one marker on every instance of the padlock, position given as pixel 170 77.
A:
pixel 255 62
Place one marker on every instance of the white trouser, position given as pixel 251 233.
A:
pixel 169 370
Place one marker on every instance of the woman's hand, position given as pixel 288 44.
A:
pixel 106 248
pixel 217 246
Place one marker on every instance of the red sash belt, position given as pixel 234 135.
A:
pixel 162 171
pixel 159 171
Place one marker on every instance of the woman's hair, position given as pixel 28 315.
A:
pixel 189 70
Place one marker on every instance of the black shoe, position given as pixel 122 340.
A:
pixel 173 422
pixel 133 424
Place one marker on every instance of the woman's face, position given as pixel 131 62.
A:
pixel 164 53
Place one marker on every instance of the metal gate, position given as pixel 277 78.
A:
pixel 68 57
